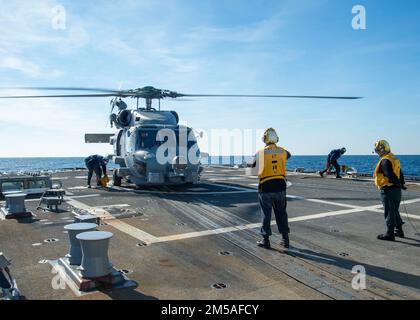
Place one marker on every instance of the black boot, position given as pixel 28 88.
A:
pixel 388 236
pixel 399 232
pixel 264 243
pixel 286 242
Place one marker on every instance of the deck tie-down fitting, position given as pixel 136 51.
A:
pixel 75 251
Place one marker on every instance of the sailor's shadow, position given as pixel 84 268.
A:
pixel 127 294
pixel 28 220
pixel 398 277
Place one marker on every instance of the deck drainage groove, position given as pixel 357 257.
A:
pixel 224 253
pixel 141 244
pixel 219 285
pixel 343 254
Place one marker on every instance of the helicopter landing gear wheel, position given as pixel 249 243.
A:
pixel 117 179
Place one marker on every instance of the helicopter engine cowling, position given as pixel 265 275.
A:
pixel 124 118
pixel 175 114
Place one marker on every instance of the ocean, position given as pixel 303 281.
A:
pixel 363 164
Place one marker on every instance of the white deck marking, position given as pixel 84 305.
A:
pixel 133 231
pixel 123 205
pixel 84 196
pixel 65 198
pixel 233 188
pixel 403 214
pixel 331 203
pixel 354 209
pixel 150 239
pixel 224 179
pixel 77 188
pixel 112 221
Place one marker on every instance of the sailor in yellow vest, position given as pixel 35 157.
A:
pixel 271 164
pixel 390 180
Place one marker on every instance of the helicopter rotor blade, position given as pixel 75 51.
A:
pixel 264 96
pixel 64 89
pixel 181 99
pixel 151 93
pixel 60 96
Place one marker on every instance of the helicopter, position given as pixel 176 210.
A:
pixel 150 146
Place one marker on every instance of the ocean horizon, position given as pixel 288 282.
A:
pixel 363 163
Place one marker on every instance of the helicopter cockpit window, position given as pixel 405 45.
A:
pixel 146 139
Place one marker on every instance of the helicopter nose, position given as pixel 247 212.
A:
pixel 179 163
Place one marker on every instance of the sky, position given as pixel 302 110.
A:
pixel 292 47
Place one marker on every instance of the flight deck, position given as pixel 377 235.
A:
pixel 199 241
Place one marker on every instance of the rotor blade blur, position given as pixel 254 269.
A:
pixel 265 96
pixel 181 99
pixel 63 89
pixel 61 96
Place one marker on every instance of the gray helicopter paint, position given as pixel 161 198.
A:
pixel 131 158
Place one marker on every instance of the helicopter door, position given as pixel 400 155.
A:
pixel 118 143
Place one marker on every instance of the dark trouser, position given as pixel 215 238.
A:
pixel 278 202
pixel 98 173
pixel 4 282
pixel 335 165
pixel 391 198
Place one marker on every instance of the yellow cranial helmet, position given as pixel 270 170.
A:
pixel 382 147
pixel 270 136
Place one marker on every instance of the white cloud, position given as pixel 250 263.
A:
pixel 26 27
pixel 28 68
pixel 48 127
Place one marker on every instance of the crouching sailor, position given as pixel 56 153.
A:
pixel 390 180
pixel 271 164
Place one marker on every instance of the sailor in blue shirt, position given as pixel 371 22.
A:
pixel 98 164
pixel 332 158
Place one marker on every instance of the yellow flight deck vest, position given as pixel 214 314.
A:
pixel 271 163
pixel 380 179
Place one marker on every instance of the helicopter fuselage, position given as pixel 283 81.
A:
pixel 151 148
